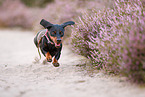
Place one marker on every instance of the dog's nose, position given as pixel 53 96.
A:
pixel 58 40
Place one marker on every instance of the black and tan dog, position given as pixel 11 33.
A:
pixel 49 40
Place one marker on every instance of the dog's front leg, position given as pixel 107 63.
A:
pixel 48 57
pixel 55 60
pixel 45 51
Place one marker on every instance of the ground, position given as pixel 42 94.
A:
pixel 22 76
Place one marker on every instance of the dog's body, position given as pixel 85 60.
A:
pixel 49 40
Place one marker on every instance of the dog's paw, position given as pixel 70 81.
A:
pixel 49 60
pixel 55 64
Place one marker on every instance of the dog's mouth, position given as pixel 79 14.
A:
pixel 57 45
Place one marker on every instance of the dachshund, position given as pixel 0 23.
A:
pixel 49 40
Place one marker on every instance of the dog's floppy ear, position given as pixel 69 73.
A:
pixel 46 24
pixel 67 23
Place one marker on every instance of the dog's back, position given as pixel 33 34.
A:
pixel 39 36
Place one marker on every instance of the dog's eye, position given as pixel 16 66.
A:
pixel 54 32
pixel 60 32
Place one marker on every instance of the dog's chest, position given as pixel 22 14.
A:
pixel 52 49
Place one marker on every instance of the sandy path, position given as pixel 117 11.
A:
pixel 20 77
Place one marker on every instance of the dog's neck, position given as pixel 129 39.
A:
pixel 47 37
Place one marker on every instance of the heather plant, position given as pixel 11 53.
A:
pixel 113 39
pixel 65 10
pixel 36 3
pixel 15 14
pixel 133 58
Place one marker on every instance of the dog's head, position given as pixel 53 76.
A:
pixel 56 32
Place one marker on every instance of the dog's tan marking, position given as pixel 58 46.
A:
pixel 48 56
pixel 54 39
pixel 55 61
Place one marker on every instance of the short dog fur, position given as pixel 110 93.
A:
pixel 49 40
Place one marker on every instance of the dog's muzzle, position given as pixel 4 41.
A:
pixel 57 45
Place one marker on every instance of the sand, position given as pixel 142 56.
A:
pixel 22 76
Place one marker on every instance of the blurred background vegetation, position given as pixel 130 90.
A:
pixel 36 3
pixel 27 14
